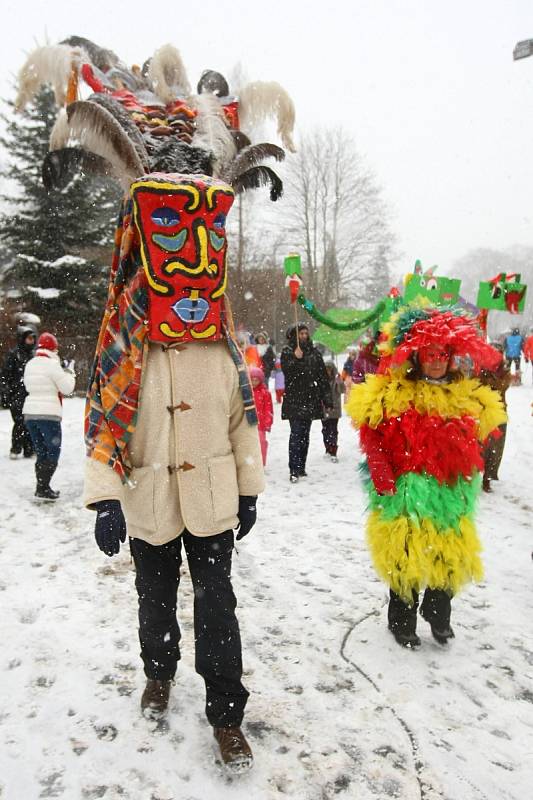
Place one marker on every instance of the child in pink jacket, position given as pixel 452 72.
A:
pixel 263 405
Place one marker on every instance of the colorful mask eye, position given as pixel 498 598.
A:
pixel 166 217
pixel 431 284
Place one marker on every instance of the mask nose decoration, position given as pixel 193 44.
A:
pixel 181 220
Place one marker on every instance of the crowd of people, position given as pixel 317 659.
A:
pixel 421 476
pixel 33 382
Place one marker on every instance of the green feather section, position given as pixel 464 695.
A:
pixel 422 496
pixel 361 321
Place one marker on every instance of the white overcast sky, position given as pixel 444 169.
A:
pixel 429 90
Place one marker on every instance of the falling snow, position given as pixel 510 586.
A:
pixel 336 709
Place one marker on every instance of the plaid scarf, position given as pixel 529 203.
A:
pixel 112 402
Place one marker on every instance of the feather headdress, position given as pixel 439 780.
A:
pixel 50 64
pixel 212 133
pixel 260 100
pixel 419 325
pixel 60 166
pixel 98 131
pixel 141 121
pixel 251 156
pixel 167 74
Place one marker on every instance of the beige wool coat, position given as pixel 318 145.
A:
pixel 193 451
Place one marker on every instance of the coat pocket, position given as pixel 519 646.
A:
pixel 139 499
pixel 224 487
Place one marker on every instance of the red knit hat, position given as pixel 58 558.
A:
pixel 47 341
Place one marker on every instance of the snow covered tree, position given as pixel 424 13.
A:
pixel 59 242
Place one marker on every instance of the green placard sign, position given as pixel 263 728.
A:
pixel 293 264
pixel 438 289
pixel 502 293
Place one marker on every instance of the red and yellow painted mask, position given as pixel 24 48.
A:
pixel 181 223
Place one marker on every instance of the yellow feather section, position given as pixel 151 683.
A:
pixel 409 556
pixel 493 413
pixel 392 394
pixel 366 402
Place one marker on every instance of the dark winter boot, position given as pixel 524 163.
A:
pixel 441 635
pixel 436 609
pixel 235 751
pixel 154 701
pixel 43 472
pixel 402 620
pixel 486 485
pixel 406 638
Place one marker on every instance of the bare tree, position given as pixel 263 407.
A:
pixel 337 217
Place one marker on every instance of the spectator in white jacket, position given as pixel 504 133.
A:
pixel 46 382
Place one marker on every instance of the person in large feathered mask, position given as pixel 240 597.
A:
pixel 171 430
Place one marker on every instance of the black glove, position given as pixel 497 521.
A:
pixel 110 526
pixel 247 515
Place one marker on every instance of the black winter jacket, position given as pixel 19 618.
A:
pixel 12 386
pixel 307 389
pixel 268 360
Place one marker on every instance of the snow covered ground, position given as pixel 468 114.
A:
pixel 337 709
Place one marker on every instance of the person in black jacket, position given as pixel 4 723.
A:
pixel 307 394
pixel 14 392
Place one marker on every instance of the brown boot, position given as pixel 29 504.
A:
pixel 486 485
pixel 154 701
pixel 234 749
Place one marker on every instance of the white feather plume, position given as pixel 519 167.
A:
pixel 167 74
pixel 212 133
pixel 260 100
pixel 98 132
pixel 60 133
pixel 48 64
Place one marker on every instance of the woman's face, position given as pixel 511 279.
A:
pixel 434 361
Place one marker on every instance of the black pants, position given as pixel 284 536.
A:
pixel 515 361
pixel 435 608
pixel 20 436
pixel 217 637
pixel 330 435
pixel 493 453
pixel 298 445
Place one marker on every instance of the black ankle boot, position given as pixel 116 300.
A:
pixel 441 635
pixel 405 638
pixel 43 472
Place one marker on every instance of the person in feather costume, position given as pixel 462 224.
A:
pixel 421 427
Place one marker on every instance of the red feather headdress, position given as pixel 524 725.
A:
pixel 415 327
